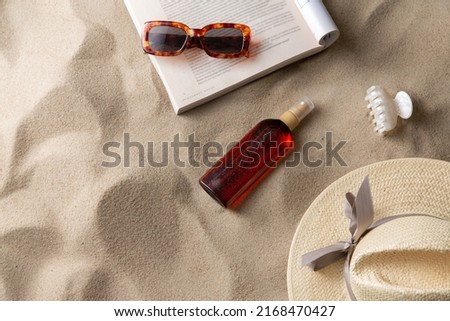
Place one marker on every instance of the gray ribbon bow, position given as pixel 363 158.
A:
pixel 359 210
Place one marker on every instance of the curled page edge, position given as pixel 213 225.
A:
pixel 319 21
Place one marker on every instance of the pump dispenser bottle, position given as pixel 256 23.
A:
pixel 235 175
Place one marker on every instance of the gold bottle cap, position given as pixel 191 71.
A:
pixel 296 113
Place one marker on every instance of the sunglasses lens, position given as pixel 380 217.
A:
pixel 224 40
pixel 167 39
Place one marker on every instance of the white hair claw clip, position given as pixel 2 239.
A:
pixel 385 110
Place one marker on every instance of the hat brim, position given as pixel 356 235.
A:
pixel 399 186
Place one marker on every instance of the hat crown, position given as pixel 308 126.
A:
pixel 404 259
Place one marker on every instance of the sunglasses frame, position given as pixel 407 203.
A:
pixel 195 38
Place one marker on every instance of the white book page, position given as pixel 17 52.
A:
pixel 319 21
pixel 279 36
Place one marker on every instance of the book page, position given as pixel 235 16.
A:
pixel 319 20
pixel 279 35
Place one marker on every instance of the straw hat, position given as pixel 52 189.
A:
pixel 407 258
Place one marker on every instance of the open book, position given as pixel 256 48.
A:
pixel 283 31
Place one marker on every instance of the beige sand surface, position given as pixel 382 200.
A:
pixel 73 77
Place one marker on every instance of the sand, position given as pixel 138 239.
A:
pixel 73 77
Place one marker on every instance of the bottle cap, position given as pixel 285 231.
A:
pixel 297 112
pixel 302 109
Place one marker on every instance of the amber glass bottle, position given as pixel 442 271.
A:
pixel 234 176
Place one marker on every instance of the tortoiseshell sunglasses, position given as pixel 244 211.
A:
pixel 219 40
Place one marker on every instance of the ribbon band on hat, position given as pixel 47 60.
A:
pixel 359 210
